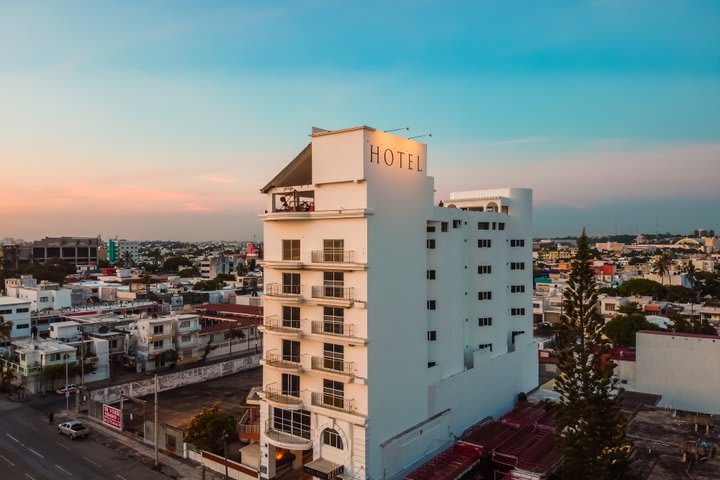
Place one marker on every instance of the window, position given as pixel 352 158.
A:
pixel 333 320
pixel 186 338
pixel 291 250
pixel 158 329
pixel 431 305
pixel 333 284
pixel 333 357
pixel 430 228
pixel 333 250
pixel 156 344
pixel 431 274
pixel 290 384
pixel 517 311
pixel 485 321
pixel 494 225
pixel 431 364
pixel 517 288
pixel 484 243
pixel 332 438
pixel 22 310
pixel 430 243
pixel 6 311
pixel 431 335
pixel 291 283
pixel 294 422
pixel 44 299
pixel 609 307
pixel 444 226
pixel 291 351
pixel 501 226
pixel 483 225
pixel 185 324
pixel 517 243
pixel 333 393
pixel 170 441
pixel 457 223
pixel 113 343
pixel 484 269
pixel 483 346
pixel 291 317
pixel 517 266
pixel 485 295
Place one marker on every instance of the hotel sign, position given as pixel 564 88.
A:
pixel 112 416
pixel 395 158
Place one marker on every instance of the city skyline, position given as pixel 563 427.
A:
pixel 154 123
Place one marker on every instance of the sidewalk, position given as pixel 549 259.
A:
pixel 170 465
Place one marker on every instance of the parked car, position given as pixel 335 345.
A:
pixel 70 387
pixel 73 429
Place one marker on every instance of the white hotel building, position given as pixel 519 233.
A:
pixel 391 324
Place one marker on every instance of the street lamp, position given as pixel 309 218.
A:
pixel 225 439
pixel 67 394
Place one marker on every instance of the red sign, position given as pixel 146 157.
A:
pixel 112 416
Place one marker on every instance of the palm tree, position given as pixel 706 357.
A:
pixel 662 265
pixel 127 259
pixel 690 273
pixel 156 256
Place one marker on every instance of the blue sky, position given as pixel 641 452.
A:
pixel 163 119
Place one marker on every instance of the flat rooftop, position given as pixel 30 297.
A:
pixel 12 301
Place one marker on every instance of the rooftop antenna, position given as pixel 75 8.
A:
pixel 396 129
pixel 423 135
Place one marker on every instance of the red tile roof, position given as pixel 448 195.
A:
pixel 451 464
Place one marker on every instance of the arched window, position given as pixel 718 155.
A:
pixel 491 207
pixel 332 437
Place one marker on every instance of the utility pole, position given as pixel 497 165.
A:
pixel 157 461
pixel 67 394
pixel 82 355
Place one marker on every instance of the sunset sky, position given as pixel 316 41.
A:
pixel 161 120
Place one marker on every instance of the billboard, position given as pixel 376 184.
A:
pixel 112 416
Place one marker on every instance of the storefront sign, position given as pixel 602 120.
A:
pixel 112 416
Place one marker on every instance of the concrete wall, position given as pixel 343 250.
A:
pixel 681 368
pixel 173 380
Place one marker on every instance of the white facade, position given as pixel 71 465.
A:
pixel 214 266
pixel 391 324
pixel 683 368
pixel 18 312
pixel 43 296
pixel 179 332
pixel 130 246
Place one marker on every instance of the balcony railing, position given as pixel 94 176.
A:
pixel 299 438
pixel 332 292
pixel 282 325
pixel 333 365
pixel 294 201
pixel 274 394
pixel 248 428
pixel 333 256
pixel 278 290
pixel 152 336
pixel 277 360
pixel 333 328
pixel 333 402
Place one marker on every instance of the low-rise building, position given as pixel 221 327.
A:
pixel 16 311
pixel 179 333
pixel 42 296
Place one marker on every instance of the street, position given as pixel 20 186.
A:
pixel 32 449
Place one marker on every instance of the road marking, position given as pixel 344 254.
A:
pixel 94 463
pixel 7 460
pixel 16 440
pixel 63 446
pixel 36 453
pixel 120 476
pixel 30 476
pixel 63 470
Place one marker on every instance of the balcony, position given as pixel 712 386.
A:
pixel 336 259
pixel 276 360
pixel 333 365
pixel 166 333
pixel 297 439
pixel 293 201
pixel 284 292
pixel 333 294
pixel 284 327
pixel 274 395
pixel 191 327
pixel 333 402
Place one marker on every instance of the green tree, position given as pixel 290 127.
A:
pixel 234 333
pixel 207 428
pixel 621 329
pixel 662 265
pixel 53 270
pixel 189 272
pixel 242 269
pixel 224 277
pixel 173 264
pixel 592 434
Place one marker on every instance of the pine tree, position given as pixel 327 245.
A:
pixel 592 433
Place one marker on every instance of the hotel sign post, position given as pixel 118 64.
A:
pixel 112 416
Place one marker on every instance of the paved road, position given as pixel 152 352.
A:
pixel 31 449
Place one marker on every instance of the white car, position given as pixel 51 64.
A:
pixel 70 387
pixel 73 429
